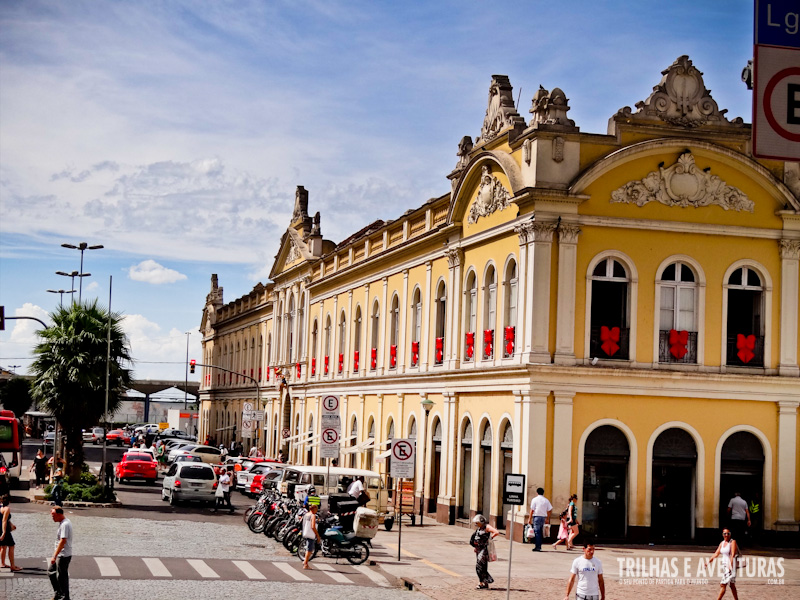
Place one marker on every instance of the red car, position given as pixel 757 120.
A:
pixel 119 436
pixel 137 465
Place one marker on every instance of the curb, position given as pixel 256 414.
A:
pixel 410 584
pixel 71 504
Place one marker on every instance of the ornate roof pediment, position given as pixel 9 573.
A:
pixel 500 113
pixel 492 196
pixel 680 99
pixel 683 184
pixel 292 249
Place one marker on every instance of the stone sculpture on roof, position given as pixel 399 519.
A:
pixel 500 113
pixel 492 196
pixel 550 108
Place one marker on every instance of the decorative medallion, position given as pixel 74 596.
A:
pixel 500 113
pixel 683 184
pixel 492 196
pixel 293 254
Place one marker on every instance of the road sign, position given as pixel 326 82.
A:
pixel 247 428
pixel 776 106
pixel 258 415
pixel 330 436
pixel 329 443
pixel 285 432
pixel 330 404
pixel 776 23
pixel 247 414
pixel 331 421
pixel 514 489
pixel 403 463
pixel 247 406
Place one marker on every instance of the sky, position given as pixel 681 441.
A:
pixel 174 133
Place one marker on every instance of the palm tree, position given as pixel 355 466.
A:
pixel 70 371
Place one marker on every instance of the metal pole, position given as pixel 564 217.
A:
pixel 186 379
pixel 399 515
pixel 80 279
pixel 424 452
pixel 108 375
pixel 510 550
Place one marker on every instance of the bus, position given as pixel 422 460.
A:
pixel 11 435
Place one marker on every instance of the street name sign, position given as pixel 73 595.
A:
pixel 258 415
pixel 514 489
pixel 403 463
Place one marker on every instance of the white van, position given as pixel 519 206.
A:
pixel 340 480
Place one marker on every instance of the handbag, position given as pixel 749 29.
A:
pixel 492 551
pixel 472 538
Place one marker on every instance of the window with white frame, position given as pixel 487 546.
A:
pixel 745 322
pixel 489 311
pixel 470 315
pixel 610 328
pixel 510 308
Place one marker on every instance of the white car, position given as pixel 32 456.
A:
pixel 209 454
pixel 94 435
pixel 189 481
pixel 245 477
pixel 138 450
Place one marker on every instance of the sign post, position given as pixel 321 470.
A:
pixel 331 432
pixel 403 464
pixel 513 494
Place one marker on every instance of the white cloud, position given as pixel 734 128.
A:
pixel 157 354
pixel 92 286
pixel 151 272
pixel 24 331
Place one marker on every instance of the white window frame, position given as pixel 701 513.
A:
pixel 766 299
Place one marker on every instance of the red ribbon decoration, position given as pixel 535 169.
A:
pixel 373 359
pixel 259 373
pixel 313 367
pixel 678 340
pixel 392 356
pixel 414 353
pixel 745 345
pixel 326 363
pixel 299 370
pixel 609 337
pixel 469 338
pixel 488 339
pixel 355 360
pixel 510 333
pixel 341 362
pixel 439 349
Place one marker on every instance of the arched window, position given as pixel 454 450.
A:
pixel 489 311
pixel 260 357
pixel 237 359
pixel 301 326
pixel 327 353
pixel 370 454
pixel 610 310
pixel 269 353
pixel 394 332
pixel 278 333
pixel 314 338
pixel 678 297
pixel 290 330
pixel 416 326
pixel 375 327
pixel 342 335
pixel 351 457
pixel 357 340
pixel 441 319
pixel 509 308
pixel 745 323
pixel 470 315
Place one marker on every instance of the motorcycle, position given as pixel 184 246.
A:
pixel 337 544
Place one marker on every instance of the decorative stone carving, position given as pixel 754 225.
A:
pixel 464 148
pixel 790 249
pixel 500 113
pixel 558 149
pixel 315 230
pixel 550 108
pixel 492 196
pixel 542 231
pixel 683 184
pixel 791 177
pixel 525 232
pixel 300 204
pixel 568 233
pixel 454 256
pixel 680 98
pixel 293 254
pixel 526 151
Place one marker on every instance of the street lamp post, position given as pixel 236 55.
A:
pixel 62 292
pixel 83 246
pixel 186 380
pixel 72 277
pixel 427 404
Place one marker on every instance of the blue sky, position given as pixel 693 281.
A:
pixel 174 133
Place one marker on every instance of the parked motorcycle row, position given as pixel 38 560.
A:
pixel 345 530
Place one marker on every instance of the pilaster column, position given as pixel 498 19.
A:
pixel 787 464
pixel 562 448
pixel 453 339
pixel 320 351
pixel 382 335
pixel 523 230
pixel 425 345
pixel 790 292
pixel 400 423
pixel 542 258
pixel 334 339
pixel 565 310
pixel 402 350
pixel 362 429
pixel 422 445
pixel 449 441
pixel 532 409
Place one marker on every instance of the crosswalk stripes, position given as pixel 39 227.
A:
pixel 249 570
pixel 156 567
pixel 376 577
pixel 107 566
pixel 331 572
pixel 202 568
pixel 291 572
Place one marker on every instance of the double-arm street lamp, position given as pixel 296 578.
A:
pixel 62 292
pixel 83 246
pixel 72 275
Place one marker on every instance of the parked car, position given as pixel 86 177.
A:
pixel 189 481
pixel 171 433
pixel 209 454
pixel 98 434
pixel 141 451
pixel 49 438
pixel 118 437
pixel 245 477
pixel 137 465
pixel 188 458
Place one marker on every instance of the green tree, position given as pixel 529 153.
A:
pixel 15 396
pixel 70 371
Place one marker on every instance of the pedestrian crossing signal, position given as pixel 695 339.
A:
pixel 191 365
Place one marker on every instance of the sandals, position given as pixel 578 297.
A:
pixel 16 568
pixel 482 586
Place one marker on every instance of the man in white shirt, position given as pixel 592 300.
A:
pixel 540 513
pixel 356 490
pixel 739 514
pixel 224 483
pixel 58 570
pixel 590 576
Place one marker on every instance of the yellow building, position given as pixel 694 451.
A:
pixel 614 315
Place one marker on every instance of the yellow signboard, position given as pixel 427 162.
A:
pixel 163 425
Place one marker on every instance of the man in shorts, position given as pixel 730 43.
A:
pixel 589 571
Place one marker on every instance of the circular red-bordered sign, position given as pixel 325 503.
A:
pixel 285 432
pixel 402 450
pixel 330 436
pixel 330 403
pixel 780 75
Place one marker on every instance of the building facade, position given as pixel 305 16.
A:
pixel 614 315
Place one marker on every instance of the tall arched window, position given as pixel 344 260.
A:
pixel 677 336
pixel 745 321
pixel 375 330
pixel 342 336
pixel 314 338
pixel 509 308
pixel 301 327
pixel 327 357
pixel 269 353
pixel 278 332
pixel 470 315
pixel 441 319
pixel 260 357
pixel 489 311
pixel 610 310
pixel 416 326
pixel 357 340
pixel 394 332
pixel 290 330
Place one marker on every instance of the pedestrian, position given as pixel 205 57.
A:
pixel 57 491
pixel 223 452
pixel 225 485
pixel 589 571
pixel 6 539
pixel 310 533
pixel 161 456
pixel 572 521
pixel 39 467
pixel 540 513
pixel 357 491
pixel 58 571
pixel 480 539
pixel 253 451
pixel 729 551
pixel 563 530
pixel 281 457
pixel 739 515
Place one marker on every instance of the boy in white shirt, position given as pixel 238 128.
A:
pixel 590 576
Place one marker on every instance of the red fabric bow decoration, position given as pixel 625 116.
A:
pixel 510 332
pixel 299 370
pixel 609 337
pixel 313 367
pixel 259 373
pixel 326 364
pixel 251 372
pixel 745 345
pixel 678 341
pixel 392 356
pixel 488 339
pixel 355 360
pixel 341 362
pixel 470 341
pixel 439 349
pixel 414 353
pixel 373 359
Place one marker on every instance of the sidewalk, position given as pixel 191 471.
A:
pixel 438 561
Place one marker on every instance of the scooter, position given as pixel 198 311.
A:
pixel 337 544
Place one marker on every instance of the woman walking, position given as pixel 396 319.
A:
pixel 39 467
pixel 729 551
pixel 480 541
pixel 6 539
pixel 572 520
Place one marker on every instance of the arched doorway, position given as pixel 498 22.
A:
pixel 485 474
pixel 742 470
pixel 672 508
pixel 286 426
pixel 352 462
pixel 435 465
pixel 605 484
pixel 369 455
pixel 465 493
pixel 507 456
pixel 309 441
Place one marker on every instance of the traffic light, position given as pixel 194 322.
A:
pixel 191 365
